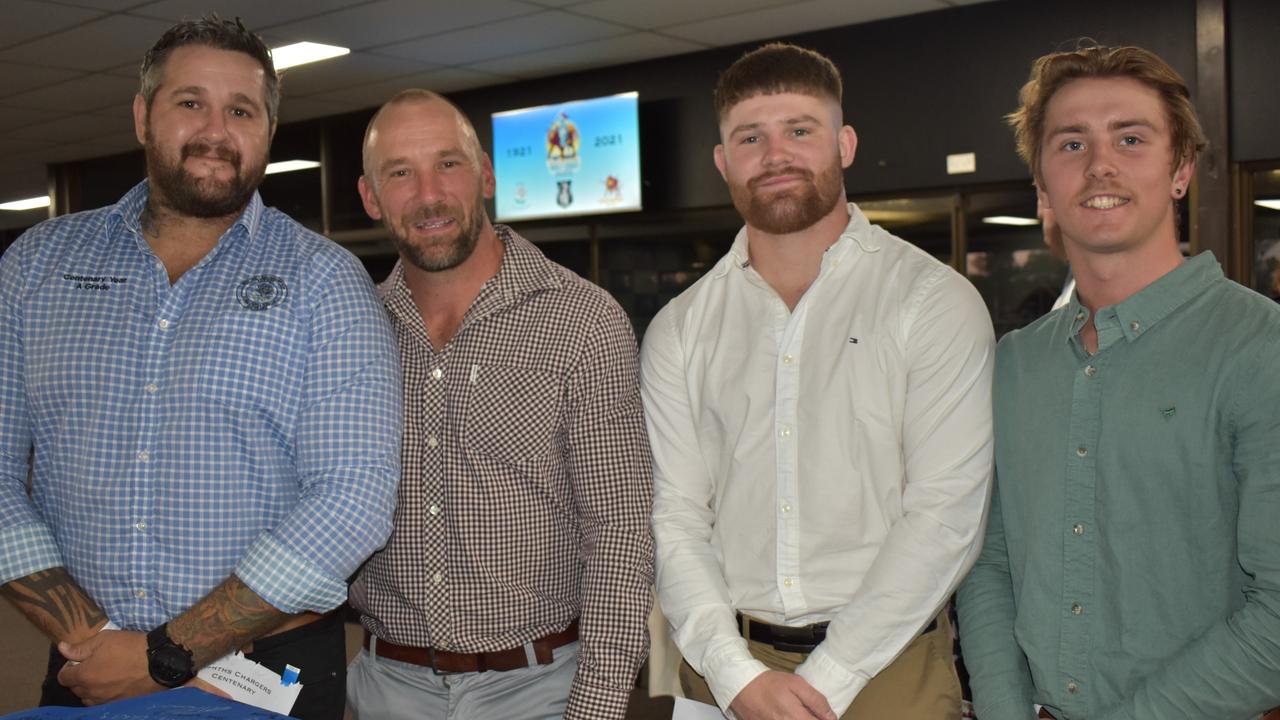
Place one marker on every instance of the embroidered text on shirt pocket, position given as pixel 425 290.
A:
pixel 513 414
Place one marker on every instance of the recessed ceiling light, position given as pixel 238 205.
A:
pixel 28 204
pixel 288 56
pixel 290 166
pixel 1009 220
pixel 1270 204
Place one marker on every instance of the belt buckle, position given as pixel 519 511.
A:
pixel 431 655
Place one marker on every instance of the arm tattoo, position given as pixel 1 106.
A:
pixel 228 618
pixel 55 604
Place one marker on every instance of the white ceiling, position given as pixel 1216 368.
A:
pixel 68 68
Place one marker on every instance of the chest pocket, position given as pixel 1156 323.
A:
pixel 252 360
pixel 514 414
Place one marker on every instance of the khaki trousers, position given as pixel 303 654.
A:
pixel 920 685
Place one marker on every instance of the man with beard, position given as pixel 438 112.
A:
pixel 516 581
pixel 819 411
pixel 210 399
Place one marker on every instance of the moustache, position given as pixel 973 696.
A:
pixel 755 182
pixel 203 149
pixel 425 213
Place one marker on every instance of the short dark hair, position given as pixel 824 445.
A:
pixel 211 31
pixel 1051 72
pixel 777 68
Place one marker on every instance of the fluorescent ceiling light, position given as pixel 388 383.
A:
pixel 291 166
pixel 28 204
pixel 1009 220
pixel 302 53
pixel 1271 204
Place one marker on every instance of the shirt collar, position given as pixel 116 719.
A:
pixel 127 212
pixel 1147 307
pixel 857 232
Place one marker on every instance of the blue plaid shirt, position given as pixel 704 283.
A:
pixel 245 419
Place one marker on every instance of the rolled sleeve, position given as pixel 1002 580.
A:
pixel 347 450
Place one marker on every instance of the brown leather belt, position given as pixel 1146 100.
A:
pixel 801 639
pixel 443 661
pixel 1273 715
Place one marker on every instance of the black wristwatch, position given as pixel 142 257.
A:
pixel 169 663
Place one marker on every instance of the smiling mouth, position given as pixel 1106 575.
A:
pixel 1104 202
pixel 432 224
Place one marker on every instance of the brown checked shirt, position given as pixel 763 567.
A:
pixel 526 487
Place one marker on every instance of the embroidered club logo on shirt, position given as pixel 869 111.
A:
pixel 261 292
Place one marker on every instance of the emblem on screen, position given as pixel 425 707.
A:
pixel 261 292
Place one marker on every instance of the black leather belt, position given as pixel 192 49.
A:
pixel 801 639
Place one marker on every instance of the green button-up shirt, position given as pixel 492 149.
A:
pixel 1132 559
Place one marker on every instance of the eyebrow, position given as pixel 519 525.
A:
pixel 793 120
pixel 201 91
pixel 389 163
pixel 1112 126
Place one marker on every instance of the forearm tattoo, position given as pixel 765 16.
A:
pixel 54 603
pixel 228 618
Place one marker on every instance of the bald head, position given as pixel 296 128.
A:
pixel 424 100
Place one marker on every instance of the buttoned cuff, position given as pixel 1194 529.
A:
pixel 836 682
pixel 25 549
pixel 288 581
pixel 728 674
pixel 592 702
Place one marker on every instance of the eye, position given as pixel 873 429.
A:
pixel 188 104
pixel 1131 140
pixel 241 113
pixel 749 140
pixel 801 132
pixel 449 164
pixel 1073 146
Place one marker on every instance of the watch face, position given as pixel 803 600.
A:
pixel 169 664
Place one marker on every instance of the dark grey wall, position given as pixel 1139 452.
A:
pixel 1253 36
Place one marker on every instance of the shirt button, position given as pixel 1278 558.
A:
pixel 1082 451
pixel 1078 529
pixel 152 388
pixel 1080 315
pixel 1072 687
pixel 437 578
pixel 787 359
pixel 432 441
pixel 1135 326
pixel 141 525
pixel 786 507
pixel 785 432
pixel 437 374
pixel 1077 609
pixel 163 324
pixel 1091 371
pixel 144 456
pixel 786 582
pixel 434 509
pixel 140 593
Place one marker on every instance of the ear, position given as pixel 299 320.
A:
pixel 1042 198
pixel 488 181
pixel 272 135
pixel 847 140
pixel 718 155
pixel 140 118
pixel 369 198
pixel 1182 178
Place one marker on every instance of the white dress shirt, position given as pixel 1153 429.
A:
pixel 827 463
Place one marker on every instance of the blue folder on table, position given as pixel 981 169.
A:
pixel 184 703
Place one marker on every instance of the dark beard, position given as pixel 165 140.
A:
pixel 792 210
pixel 201 198
pixel 459 249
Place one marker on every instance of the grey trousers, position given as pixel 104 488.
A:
pixel 382 689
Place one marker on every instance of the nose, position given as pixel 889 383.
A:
pixel 215 126
pixel 776 152
pixel 1101 163
pixel 430 189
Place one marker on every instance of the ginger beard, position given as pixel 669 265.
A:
pixel 792 209
pixel 202 197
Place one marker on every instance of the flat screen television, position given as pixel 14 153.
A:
pixel 573 158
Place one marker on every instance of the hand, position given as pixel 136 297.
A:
pixel 775 695
pixel 112 666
